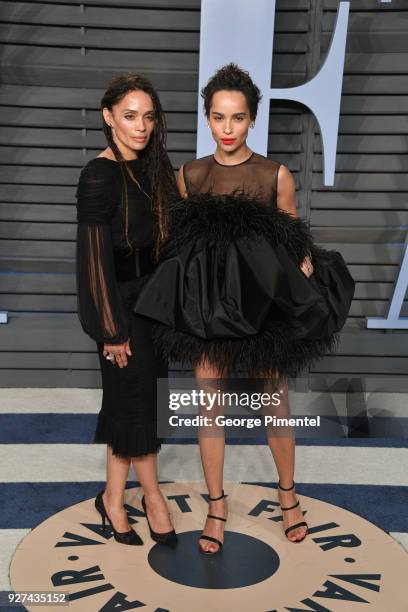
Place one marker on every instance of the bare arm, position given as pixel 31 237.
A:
pixel 286 196
pixel 181 184
pixel 286 200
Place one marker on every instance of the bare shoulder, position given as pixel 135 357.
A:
pixel 286 191
pixel 285 178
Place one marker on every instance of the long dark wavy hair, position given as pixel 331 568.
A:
pixel 155 160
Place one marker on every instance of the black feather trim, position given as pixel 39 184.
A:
pixel 226 218
pixel 275 352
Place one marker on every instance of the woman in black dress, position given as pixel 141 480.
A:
pixel 242 287
pixel 122 197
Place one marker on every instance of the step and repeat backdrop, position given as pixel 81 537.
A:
pixel 56 60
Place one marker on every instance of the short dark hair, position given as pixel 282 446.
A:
pixel 231 77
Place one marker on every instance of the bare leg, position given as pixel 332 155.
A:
pixel 146 472
pixel 117 469
pixel 212 450
pixel 283 451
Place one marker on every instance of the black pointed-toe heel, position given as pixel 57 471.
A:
pixel 210 538
pixel 125 537
pixel 169 538
pixel 301 524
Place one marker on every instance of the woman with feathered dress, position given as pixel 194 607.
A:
pixel 241 286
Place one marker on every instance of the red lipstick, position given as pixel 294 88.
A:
pixel 228 141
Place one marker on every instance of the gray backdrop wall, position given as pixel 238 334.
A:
pixel 56 60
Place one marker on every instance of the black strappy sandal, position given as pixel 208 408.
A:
pixel 210 538
pixel 301 524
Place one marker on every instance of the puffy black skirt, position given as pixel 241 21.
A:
pixel 229 289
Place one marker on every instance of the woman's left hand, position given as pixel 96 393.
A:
pixel 306 266
pixel 117 353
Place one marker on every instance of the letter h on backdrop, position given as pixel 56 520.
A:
pixel 242 32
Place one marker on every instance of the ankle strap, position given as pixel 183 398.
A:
pixel 283 488
pixel 217 498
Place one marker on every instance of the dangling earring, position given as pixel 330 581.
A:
pixel 253 124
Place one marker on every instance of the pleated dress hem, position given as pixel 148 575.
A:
pixel 127 441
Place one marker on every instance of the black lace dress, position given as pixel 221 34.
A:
pixel 229 287
pixel 109 278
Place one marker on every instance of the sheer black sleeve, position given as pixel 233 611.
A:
pixel 100 308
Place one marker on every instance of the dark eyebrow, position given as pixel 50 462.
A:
pixel 234 115
pixel 130 110
pixel 243 114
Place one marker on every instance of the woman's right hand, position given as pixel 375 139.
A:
pixel 306 266
pixel 117 353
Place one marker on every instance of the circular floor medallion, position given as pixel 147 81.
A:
pixel 346 563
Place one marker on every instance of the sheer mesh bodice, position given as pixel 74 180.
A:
pixel 102 250
pixel 257 176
